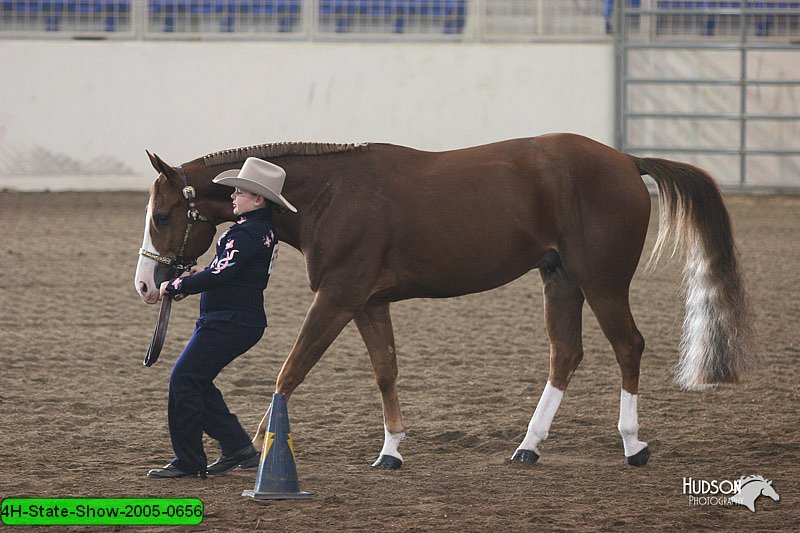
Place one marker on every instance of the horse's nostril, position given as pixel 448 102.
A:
pixel 143 287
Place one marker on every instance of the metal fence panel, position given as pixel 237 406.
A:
pixel 716 84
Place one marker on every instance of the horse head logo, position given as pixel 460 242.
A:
pixel 751 487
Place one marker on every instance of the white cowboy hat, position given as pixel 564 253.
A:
pixel 258 177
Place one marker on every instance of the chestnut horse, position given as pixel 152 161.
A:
pixel 378 223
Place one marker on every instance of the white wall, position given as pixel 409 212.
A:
pixel 90 109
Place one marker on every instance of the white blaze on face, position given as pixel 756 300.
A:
pixel 146 267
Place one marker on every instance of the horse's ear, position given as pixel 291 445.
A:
pixel 160 166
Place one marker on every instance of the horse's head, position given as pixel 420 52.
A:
pixel 767 490
pixel 751 487
pixel 176 233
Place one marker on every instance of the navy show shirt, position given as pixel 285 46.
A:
pixel 232 286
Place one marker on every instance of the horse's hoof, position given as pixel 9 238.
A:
pixel 388 462
pixel 529 457
pixel 640 459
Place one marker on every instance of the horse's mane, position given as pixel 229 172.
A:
pixel 265 151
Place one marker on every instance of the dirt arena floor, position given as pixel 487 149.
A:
pixel 81 417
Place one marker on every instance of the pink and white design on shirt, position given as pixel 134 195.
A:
pixel 222 237
pixel 269 239
pixel 177 283
pixel 242 220
pixel 221 263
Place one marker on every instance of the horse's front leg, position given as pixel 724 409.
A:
pixel 375 326
pixel 323 323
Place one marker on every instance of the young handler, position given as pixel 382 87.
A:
pixel 231 321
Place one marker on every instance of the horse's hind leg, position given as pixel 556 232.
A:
pixel 375 326
pixel 563 301
pixel 613 312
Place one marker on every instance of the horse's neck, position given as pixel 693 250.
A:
pixel 305 183
pixel 218 206
pixel 302 191
pixel 214 202
pixel 308 181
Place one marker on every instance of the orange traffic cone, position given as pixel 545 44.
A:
pixel 277 474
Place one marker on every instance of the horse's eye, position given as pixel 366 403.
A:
pixel 160 219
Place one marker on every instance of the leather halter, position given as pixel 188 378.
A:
pixel 180 264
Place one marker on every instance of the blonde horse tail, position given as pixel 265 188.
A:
pixel 716 344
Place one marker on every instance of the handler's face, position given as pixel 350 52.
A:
pixel 244 202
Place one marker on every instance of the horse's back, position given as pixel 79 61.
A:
pixel 440 224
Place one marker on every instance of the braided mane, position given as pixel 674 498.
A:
pixel 265 151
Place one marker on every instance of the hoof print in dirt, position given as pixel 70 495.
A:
pixel 387 462
pixel 640 459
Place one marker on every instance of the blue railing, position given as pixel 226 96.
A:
pixel 52 12
pixel 451 14
pixel 762 14
pixel 448 15
pixel 353 16
pixel 286 12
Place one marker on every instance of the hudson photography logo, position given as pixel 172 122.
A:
pixel 743 491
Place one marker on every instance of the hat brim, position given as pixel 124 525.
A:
pixel 231 178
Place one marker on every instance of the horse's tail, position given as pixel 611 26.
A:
pixel 716 345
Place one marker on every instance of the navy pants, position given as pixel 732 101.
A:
pixel 195 404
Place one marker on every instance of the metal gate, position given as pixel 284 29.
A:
pixel 716 84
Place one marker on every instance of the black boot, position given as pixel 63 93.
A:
pixel 245 458
pixel 171 471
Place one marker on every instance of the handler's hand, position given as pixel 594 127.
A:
pixel 162 291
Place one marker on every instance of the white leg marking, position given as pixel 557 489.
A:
pixel 629 424
pixel 390 443
pixel 542 419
